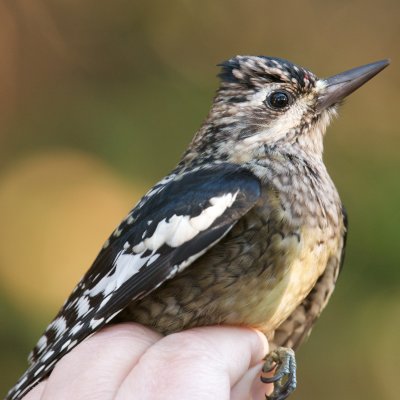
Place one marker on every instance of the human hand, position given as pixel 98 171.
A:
pixel 130 361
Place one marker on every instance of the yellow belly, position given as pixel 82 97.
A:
pixel 273 296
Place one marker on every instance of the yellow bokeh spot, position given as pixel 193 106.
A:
pixel 56 210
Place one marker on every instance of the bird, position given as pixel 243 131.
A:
pixel 248 229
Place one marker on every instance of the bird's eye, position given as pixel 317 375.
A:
pixel 278 99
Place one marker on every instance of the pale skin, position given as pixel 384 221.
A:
pixel 130 361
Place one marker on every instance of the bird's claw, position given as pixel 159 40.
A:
pixel 284 362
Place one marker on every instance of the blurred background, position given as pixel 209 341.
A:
pixel 99 99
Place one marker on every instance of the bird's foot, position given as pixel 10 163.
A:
pixel 283 361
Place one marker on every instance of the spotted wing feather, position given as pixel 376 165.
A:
pixel 174 224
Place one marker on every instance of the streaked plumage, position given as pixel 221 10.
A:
pixel 247 229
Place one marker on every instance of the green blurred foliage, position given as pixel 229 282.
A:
pixel 129 83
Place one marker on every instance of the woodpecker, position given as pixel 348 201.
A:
pixel 247 230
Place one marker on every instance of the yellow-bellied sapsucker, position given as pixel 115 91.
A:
pixel 248 229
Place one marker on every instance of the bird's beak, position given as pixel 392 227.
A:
pixel 337 87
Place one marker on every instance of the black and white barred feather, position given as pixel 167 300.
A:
pixel 174 224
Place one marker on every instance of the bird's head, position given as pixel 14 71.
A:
pixel 267 103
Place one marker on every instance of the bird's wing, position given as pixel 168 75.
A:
pixel 174 224
pixel 297 327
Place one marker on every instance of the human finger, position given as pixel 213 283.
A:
pixel 98 365
pixel 200 363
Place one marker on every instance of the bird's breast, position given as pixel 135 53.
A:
pixel 299 261
pixel 301 235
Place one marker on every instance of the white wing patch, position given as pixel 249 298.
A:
pixel 21 382
pixel 47 355
pixel 173 232
pixel 59 325
pixel 126 265
pixel 180 229
pixel 178 268
pixel 82 306
pixel 77 327
pixel 39 370
pixel 94 323
pixel 66 344
pixel 41 344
